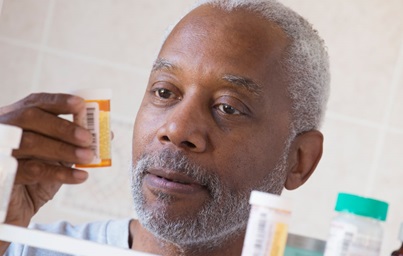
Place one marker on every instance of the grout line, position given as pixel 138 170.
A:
pixel 385 121
pixel 362 122
pixel 94 60
pixel 72 55
pixel 353 120
pixel 395 130
pixel 20 43
pixel 45 37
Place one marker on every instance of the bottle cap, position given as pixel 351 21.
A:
pixel 270 200
pixel 400 237
pixel 10 136
pixel 362 206
pixel 94 94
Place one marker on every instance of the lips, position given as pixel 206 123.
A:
pixel 168 181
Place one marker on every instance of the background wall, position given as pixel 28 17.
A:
pixel 58 45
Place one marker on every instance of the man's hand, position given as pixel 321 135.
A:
pixel 48 144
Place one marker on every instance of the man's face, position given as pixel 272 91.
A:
pixel 212 126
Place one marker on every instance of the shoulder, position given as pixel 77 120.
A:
pixel 111 232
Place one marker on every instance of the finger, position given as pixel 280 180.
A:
pixel 34 145
pixel 54 103
pixel 34 171
pixel 39 121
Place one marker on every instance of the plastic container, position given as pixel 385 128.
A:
pixel 267 229
pixel 96 118
pixel 399 252
pixel 10 138
pixel 298 245
pixel 357 229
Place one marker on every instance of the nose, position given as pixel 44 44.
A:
pixel 185 127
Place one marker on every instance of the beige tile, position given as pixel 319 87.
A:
pixel 23 19
pixel 64 74
pixel 348 155
pixel 127 32
pixel 16 72
pixel 347 159
pixel 396 117
pixel 388 187
pixel 363 38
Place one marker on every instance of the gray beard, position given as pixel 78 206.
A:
pixel 222 218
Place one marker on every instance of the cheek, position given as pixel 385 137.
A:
pixel 243 172
pixel 243 164
pixel 245 160
pixel 144 132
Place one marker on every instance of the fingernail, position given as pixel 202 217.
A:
pixel 86 155
pixel 80 175
pixel 83 135
pixel 74 100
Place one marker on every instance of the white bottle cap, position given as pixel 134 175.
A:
pixel 270 201
pixel 10 136
pixel 94 94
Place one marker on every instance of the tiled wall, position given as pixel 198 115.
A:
pixel 57 45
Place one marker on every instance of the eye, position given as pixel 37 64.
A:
pixel 164 93
pixel 227 109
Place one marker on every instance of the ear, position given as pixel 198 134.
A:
pixel 305 153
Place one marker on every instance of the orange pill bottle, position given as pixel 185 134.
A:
pixel 96 118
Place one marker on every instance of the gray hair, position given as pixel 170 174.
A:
pixel 305 63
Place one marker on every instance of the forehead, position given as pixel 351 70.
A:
pixel 239 26
pixel 237 42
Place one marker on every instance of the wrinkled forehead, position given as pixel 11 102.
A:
pixel 243 42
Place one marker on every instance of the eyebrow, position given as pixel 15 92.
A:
pixel 236 80
pixel 162 64
pixel 244 82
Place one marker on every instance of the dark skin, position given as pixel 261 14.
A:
pixel 48 144
pixel 191 107
pixel 216 96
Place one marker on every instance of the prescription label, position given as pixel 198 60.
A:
pixel 265 236
pixel 96 119
pixel 345 239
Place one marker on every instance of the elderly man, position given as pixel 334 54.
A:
pixel 234 103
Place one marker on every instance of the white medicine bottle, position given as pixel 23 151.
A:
pixel 267 228
pixel 10 137
pixel 357 229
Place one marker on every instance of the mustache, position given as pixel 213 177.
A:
pixel 177 161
